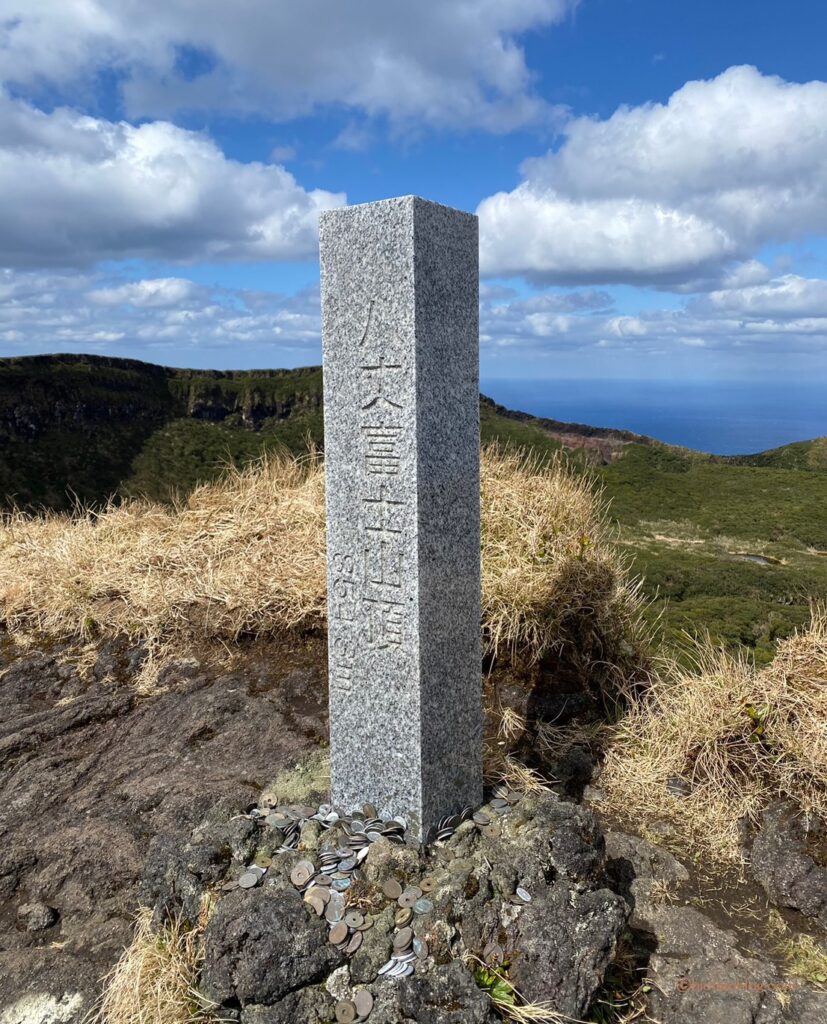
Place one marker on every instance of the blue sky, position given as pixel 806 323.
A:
pixel 651 177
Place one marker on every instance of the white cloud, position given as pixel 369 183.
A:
pixel 787 315
pixel 151 318
pixel 79 189
pixel 787 297
pixel 171 319
pixel 669 193
pixel 446 62
pixel 154 293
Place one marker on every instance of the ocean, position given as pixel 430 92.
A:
pixel 723 417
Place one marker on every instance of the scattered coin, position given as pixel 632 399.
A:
pixel 420 947
pixel 524 894
pixel 263 861
pixel 249 880
pixel 340 884
pixel 499 803
pixel 302 873
pixel 353 919
pixel 423 906
pixel 316 904
pixel 403 916
pixel 338 933
pixel 355 942
pixel 364 1002
pixel 403 938
pixel 490 831
pixel 369 810
pixel 407 899
pixel 319 892
pixel 427 884
pixel 346 1012
pixel 392 889
pixel 481 818
pixel 333 913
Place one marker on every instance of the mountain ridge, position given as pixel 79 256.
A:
pixel 79 427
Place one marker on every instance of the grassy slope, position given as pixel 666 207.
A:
pixel 686 520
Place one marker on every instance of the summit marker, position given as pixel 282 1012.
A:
pixel 400 330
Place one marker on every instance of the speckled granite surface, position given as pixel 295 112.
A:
pixel 401 364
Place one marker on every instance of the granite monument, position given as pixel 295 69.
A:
pixel 401 407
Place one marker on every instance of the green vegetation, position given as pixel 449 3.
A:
pixel 730 546
pixel 81 428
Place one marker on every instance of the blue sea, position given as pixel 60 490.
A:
pixel 723 417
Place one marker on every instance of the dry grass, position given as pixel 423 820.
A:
pixel 245 556
pixel 155 980
pixel 738 736
pixel 551 576
pixel 806 958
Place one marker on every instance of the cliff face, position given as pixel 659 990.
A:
pixel 81 393
pixel 74 426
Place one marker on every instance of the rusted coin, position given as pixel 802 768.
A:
pixel 392 889
pixel 346 1012
pixel 403 938
pixel 427 884
pixel 355 942
pixel 338 933
pixel 353 919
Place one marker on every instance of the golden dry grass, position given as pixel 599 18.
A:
pixel 155 980
pixel 245 556
pixel 738 736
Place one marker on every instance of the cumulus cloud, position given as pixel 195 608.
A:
pixel 80 189
pixel 448 62
pixel 172 319
pixel 668 193
pixel 784 298
pixel 785 315
pixel 154 293
pixel 151 318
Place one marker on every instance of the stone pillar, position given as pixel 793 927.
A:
pixel 400 330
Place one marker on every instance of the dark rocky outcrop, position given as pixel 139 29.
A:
pixel 96 780
pixel 781 863
pixel 262 945
pixel 267 954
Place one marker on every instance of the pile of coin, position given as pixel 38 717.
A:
pixel 356 1009
pixel 407 947
pixel 325 898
